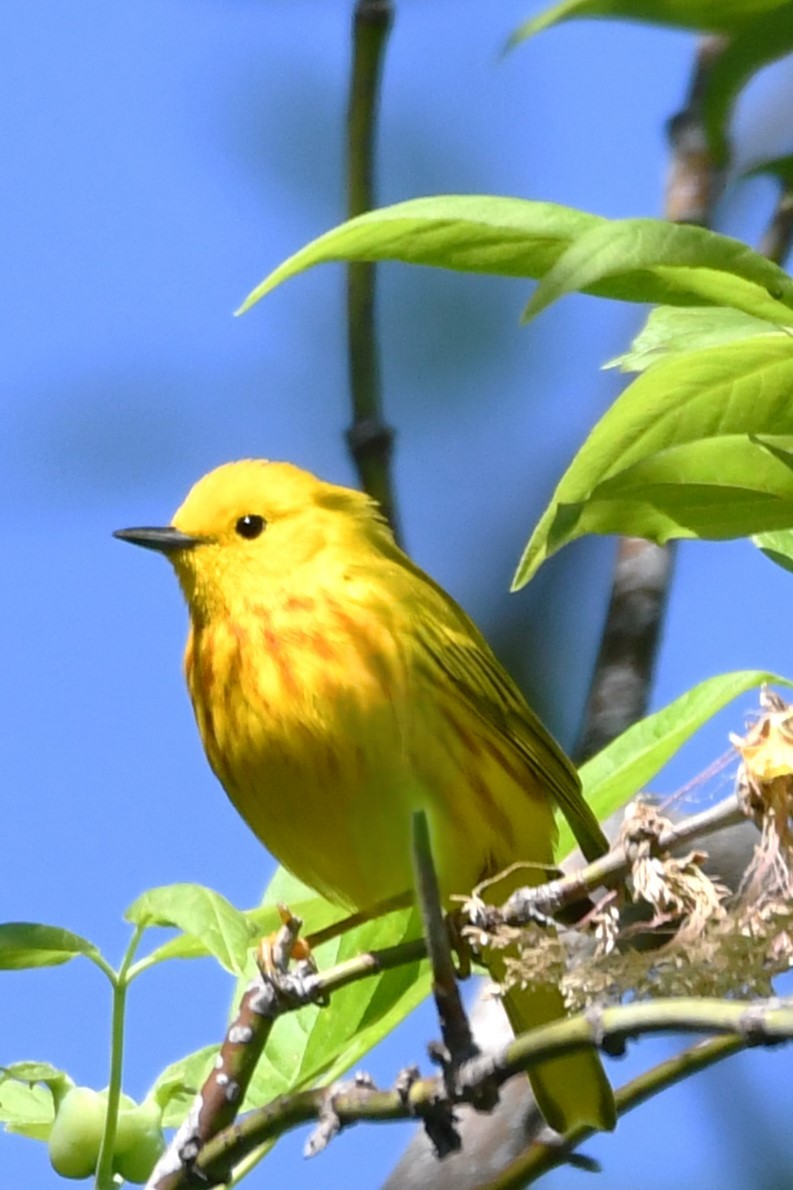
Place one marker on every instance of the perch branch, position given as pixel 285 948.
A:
pixel 469 1076
pixel 526 904
pixel 217 1103
pixel 758 1023
pixel 458 1042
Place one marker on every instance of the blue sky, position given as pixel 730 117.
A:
pixel 159 158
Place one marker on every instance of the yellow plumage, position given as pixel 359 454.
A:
pixel 337 688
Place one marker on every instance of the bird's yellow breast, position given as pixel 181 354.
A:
pixel 326 734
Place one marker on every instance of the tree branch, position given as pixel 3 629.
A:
pixel 542 1156
pixel 470 1075
pixel 369 438
pixel 778 236
pixel 620 687
pixel 763 1023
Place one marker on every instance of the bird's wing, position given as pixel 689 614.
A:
pixel 450 648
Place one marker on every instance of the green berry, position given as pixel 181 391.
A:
pixel 76 1133
pixel 139 1141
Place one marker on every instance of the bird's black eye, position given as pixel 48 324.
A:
pixel 250 526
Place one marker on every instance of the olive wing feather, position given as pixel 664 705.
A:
pixel 450 645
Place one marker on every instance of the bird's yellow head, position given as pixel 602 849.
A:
pixel 253 524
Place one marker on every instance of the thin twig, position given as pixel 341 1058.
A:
pixel 370 439
pixel 611 869
pixel 458 1043
pixel 455 1029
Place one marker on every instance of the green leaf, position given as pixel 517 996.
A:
pixel 706 16
pixel 34 1072
pixel 777 547
pixel 702 265
pixel 28 1110
pixel 763 40
pixel 176 1087
pixel 200 912
pixel 316 1043
pixel 779 167
pixel 26 944
pixel 514 237
pixel 624 768
pixel 673 330
pixel 471 233
pixel 667 431
pixel 261 921
pixel 716 488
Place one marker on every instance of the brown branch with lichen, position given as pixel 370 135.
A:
pixel 760 1023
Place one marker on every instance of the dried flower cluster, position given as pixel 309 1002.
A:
pixel 673 930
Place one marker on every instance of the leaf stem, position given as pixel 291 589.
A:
pixel 120 980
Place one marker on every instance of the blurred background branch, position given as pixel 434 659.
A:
pixel 370 438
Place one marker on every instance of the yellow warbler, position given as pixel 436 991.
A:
pixel 337 689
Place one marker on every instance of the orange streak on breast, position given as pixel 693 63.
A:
pixel 321 646
pixel 299 603
pixel 278 653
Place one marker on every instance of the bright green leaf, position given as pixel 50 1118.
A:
pixel 673 330
pixel 705 16
pixel 28 1110
pixel 700 263
pixel 716 395
pixel 514 237
pixel 315 1043
pixel 200 912
pixel 177 1085
pixel 716 488
pixel 624 768
pixel 260 922
pixel 777 547
pixel 27 944
pixel 34 1072
pixel 322 1043
pixel 510 237
pixel 25 1107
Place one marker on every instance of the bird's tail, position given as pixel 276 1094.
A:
pixel 571 1090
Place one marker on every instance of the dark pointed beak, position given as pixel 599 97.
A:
pixel 165 541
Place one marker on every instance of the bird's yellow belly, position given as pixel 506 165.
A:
pixel 326 764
